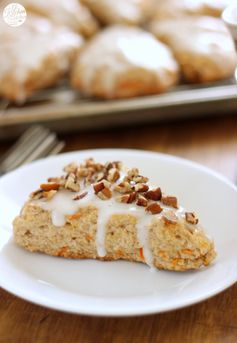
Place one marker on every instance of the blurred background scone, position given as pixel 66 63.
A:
pixel 178 8
pixel 109 12
pixel 34 56
pixel 70 13
pixel 202 46
pixel 118 63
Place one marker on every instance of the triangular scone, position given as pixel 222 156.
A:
pixel 102 211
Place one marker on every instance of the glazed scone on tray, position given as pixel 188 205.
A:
pixel 178 8
pixel 203 46
pixel 107 212
pixel 70 13
pixel 34 56
pixel 109 12
pixel 122 62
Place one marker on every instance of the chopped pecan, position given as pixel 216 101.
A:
pixel 154 194
pixel 191 218
pixel 141 187
pixel 71 168
pixel 37 194
pixel 154 208
pixel 113 175
pixel 124 187
pixel 54 179
pixel 80 196
pixel 101 185
pixel 141 201
pixel 105 194
pixel 50 186
pixel 133 175
pixel 100 176
pixel 170 201
pixel 170 217
pixel 49 194
pixel 71 183
pixel 127 198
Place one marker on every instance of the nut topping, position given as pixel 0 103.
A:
pixel 127 198
pixel 71 168
pixel 141 201
pixel 170 201
pixel 191 218
pixel 71 183
pixel 49 186
pixel 124 187
pixel 141 187
pixel 133 175
pixel 80 196
pixel 105 194
pixel 154 208
pixel 101 185
pixel 154 194
pixel 170 217
pixel 113 175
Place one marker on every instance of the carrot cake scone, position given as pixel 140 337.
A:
pixel 178 8
pixel 69 13
pixel 203 46
pixel 122 62
pixel 34 56
pixel 103 211
pixel 133 12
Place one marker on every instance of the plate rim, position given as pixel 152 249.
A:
pixel 108 311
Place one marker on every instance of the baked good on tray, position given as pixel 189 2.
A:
pixel 70 13
pixel 122 62
pixel 109 12
pixel 202 46
pixel 34 56
pixel 107 212
pixel 177 8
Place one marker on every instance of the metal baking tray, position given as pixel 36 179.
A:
pixel 64 110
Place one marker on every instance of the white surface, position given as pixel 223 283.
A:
pixel 121 288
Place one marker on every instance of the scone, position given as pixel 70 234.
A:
pixel 69 13
pixel 122 62
pixel 169 9
pixel 203 46
pixel 34 56
pixel 103 211
pixel 109 12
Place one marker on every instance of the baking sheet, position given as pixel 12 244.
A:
pixel 64 110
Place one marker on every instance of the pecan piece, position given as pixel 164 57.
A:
pixel 127 198
pixel 71 183
pixel 49 194
pixel 191 218
pixel 71 168
pixel 80 196
pixel 141 201
pixel 170 201
pixel 101 185
pixel 154 194
pixel 154 208
pixel 124 187
pixel 39 194
pixel 105 194
pixel 50 186
pixel 141 187
pixel 113 175
pixel 170 217
pixel 133 175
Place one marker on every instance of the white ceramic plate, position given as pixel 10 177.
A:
pixel 121 288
